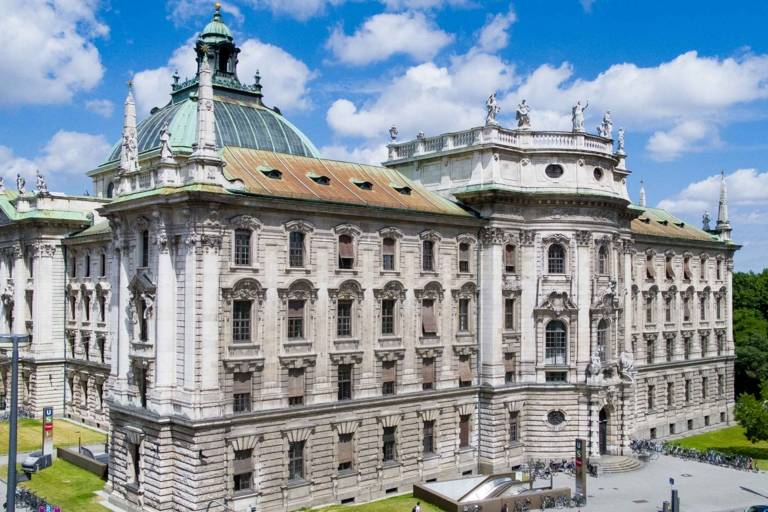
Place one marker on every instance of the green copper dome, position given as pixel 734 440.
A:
pixel 238 123
pixel 216 31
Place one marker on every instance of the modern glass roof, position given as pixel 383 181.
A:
pixel 238 123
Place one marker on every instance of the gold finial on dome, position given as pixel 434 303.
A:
pixel 217 6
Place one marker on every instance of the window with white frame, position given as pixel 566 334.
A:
pixel 428 255
pixel 464 257
pixel 388 253
pixel 556 259
pixel 242 247
pixel 556 348
pixel 602 260
pixel 510 259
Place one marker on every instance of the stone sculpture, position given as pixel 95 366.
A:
pixel 523 116
pixel 492 108
pixel 578 116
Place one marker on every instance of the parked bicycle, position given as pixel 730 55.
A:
pixel 708 456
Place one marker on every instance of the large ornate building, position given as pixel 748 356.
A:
pixel 260 327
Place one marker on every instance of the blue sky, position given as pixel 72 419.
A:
pixel 688 80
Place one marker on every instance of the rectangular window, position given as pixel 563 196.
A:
pixel 242 470
pixel 344 374
pixel 102 308
pixel 465 371
pixel 703 309
pixel 687 269
pixel 428 438
pixel 687 348
pixel 463 315
pixel 706 421
pixel 686 309
pixel 428 256
pixel 687 391
pixel 464 257
pixel 135 451
pixel 720 385
pixel 669 268
pixel 428 320
pixel 509 259
pixel 704 387
pixel 464 431
pixel 702 268
pixel 719 267
pixel 241 392
pixel 650 352
pixel 73 266
pixel 509 314
pixel 295 319
pixel 668 309
pixel 145 248
pixel 509 367
pixel 651 397
pixel 556 376
pixel 241 321
pixel 242 247
pixel 722 417
pixel 650 271
pixel 649 310
pixel 388 254
pixel 344 318
pixel 514 427
pixel 670 348
pixel 427 373
pixel 295 386
pixel 346 452
pixel 103 265
pixel 389 452
pixel 346 252
pixel 388 317
pixel 296 249
pixel 719 308
pixel 87 265
pixel 296 460
pixel 388 377
pixel 653 433
pixel 671 429
pixel 690 424
pixel 670 393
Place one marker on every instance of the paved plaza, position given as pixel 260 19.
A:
pixel 702 488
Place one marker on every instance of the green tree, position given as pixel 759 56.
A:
pixel 750 331
pixel 752 414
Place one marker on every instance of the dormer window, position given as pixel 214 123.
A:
pixel 363 185
pixel 405 190
pixel 320 180
pixel 272 174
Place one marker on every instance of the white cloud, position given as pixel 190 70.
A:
pixel 48 52
pixel 184 10
pixel 422 4
pixel 103 108
pixel 285 78
pixel 387 34
pixel 65 156
pixel 587 5
pixel 687 136
pixel 494 35
pixel 373 154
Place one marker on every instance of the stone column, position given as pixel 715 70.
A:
pixel 528 324
pixel 594 428
pixel 629 311
pixel 582 277
pixel 192 247
pixel 209 333
pixel 19 290
pixel 44 291
pixel 121 318
pixel 165 316
pixel 491 304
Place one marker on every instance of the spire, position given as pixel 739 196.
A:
pixel 723 226
pixel 129 153
pixel 642 193
pixel 206 131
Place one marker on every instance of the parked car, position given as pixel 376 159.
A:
pixel 34 462
pixel 757 508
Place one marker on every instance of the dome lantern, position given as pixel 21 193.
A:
pixel 222 51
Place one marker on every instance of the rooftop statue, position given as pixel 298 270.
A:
pixel 166 153
pixel 42 187
pixel 393 133
pixel 523 116
pixel 20 183
pixel 492 108
pixel 578 116
pixel 705 219
pixel 620 149
pixel 605 129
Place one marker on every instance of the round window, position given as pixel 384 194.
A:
pixel 554 170
pixel 598 173
pixel 556 417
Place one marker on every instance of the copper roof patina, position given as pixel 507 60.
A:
pixel 658 222
pixel 331 181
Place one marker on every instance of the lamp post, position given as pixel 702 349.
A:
pixel 12 341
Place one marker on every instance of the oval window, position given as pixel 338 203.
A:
pixel 598 173
pixel 554 170
pixel 556 417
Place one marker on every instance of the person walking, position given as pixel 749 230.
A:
pixel 416 507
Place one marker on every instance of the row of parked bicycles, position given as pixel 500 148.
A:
pixel 22 413
pixel 29 501
pixel 541 470
pixel 652 449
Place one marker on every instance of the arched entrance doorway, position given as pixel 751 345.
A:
pixel 603 431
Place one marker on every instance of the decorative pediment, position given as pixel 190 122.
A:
pixel 650 336
pixel 430 234
pixel 390 232
pixel 346 357
pixel 348 229
pixel 466 238
pixel 433 290
pixel 245 222
pixel 389 354
pixel 245 289
pixel 298 361
pixel 141 223
pixel 557 238
pixel 141 283
pixel 393 290
pixel 299 225
pixel 300 289
pixel 558 303
pixel 348 290
pixel 467 291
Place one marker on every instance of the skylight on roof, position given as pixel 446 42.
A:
pixel 320 180
pixel 272 173
pixel 364 185
pixel 403 189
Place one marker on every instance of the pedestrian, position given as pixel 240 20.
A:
pixel 416 507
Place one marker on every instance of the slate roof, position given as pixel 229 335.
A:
pixel 661 223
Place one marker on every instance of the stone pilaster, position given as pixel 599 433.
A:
pixel 491 299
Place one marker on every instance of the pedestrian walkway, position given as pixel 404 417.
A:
pixel 702 487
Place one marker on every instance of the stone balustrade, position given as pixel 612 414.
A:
pixel 518 139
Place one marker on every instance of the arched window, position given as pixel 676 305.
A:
pixel 602 260
pixel 143 323
pixel 102 308
pixel 602 339
pixel 110 190
pixel 556 259
pixel 87 307
pixel 555 349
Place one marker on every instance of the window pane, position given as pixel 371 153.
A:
pixel 555 340
pixel 344 318
pixel 464 315
pixel 427 256
pixel 556 259
pixel 241 321
pixel 296 256
pixel 387 316
pixel 242 247
pixel 295 319
pixel 345 381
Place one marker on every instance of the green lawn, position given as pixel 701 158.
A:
pixel 729 440
pixel 65 433
pixel 403 503
pixel 65 485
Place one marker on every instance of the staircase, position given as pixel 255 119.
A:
pixel 611 464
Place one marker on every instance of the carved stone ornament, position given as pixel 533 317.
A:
pixel 300 226
pixel 558 303
pixel 433 290
pixel 627 246
pixel 348 229
pixel 527 237
pixel 595 366
pixel 525 162
pixel 44 250
pixel 430 234
pixel 301 289
pixel 348 290
pixel 390 232
pixel 211 242
pixel 245 222
pixel 7 295
pixel 393 290
pixel 626 363
pixel 245 289
pixel 492 236
pixel 583 238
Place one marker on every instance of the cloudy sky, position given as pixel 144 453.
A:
pixel 688 80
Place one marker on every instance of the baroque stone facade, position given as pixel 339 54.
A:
pixel 279 331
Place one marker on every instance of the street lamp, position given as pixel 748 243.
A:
pixel 12 341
